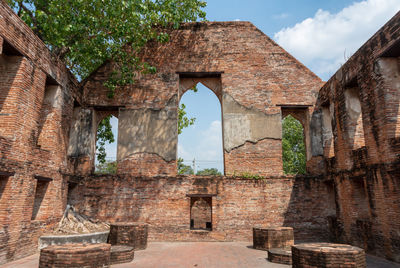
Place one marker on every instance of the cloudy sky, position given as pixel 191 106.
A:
pixel 321 34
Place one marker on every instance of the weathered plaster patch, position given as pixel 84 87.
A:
pixel 243 124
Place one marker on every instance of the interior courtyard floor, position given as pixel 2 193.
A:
pixel 199 255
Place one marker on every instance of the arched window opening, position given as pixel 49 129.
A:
pixel 106 145
pixel 293 146
pixel 200 145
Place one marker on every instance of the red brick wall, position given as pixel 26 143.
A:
pixel 33 137
pixel 365 165
pixel 255 72
pixel 237 205
pixel 146 164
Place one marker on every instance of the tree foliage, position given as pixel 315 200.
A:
pixel 209 172
pixel 183 120
pixel 86 33
pixel 184 169
pixel 104 134
pixel 294 151
pixel 108 167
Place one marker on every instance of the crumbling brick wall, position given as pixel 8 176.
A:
pixel 237 204
pixel 356 143
pixel 36 100
pixel 251 75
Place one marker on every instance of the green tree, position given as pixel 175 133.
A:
pixel 209 172
pixel 183 120
pixel 86 33
pixel 184 169
pixel 104 135
pixel 294 152
pixel 108 167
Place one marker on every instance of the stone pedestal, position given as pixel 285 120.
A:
pixel 132 234
pixel 75 256
pixel 121 254
pixel 280 255
pixel 273 237
pixel 327 255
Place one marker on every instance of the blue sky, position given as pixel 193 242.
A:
pixel 321 34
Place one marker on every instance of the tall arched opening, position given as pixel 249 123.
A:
pixel 200 146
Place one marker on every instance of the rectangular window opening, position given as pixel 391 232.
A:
pixel 39 207
pixel 354 120
pixel 327 133
pixel 201 213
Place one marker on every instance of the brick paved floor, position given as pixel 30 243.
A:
pixel 198 255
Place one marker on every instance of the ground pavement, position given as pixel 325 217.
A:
pixel 199 255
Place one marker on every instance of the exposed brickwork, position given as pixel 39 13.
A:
pixel 263 157
pixel 237 205
pixel 327 255
pixel 272 237
pixel 121 254
pixel 146 164
pixel 352 135
pixel 271 77
pixel 201 212
pixel 280 255
pixel 133 234
pixel 75 256
pixel 34 128
pixel 362 100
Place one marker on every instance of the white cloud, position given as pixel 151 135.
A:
pixel 281 16
pixel 207 149
pixel 183 153
pixel 324 41
pixel 210 146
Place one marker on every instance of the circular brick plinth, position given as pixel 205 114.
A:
pixel 75 256
pixel 132 234
pixel 121 254
pixel 273 237
pixel 327 255
pixel 280 255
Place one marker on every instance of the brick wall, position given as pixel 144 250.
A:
pixel 216 53
pixel 34 128
pixel 362 101
pixel 237 205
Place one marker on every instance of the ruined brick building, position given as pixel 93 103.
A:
pixel 48 123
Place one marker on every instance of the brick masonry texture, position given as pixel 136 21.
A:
pixel 75 256
pixel 48 125
pixel 237 205
pixel 121 254
pixel 132 234
pixel 273 237
pixel 33 137
pixel 364 163
pixel 327 255
pixel 280 255
pixel 272 78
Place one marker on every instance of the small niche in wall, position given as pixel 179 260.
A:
pixel 47 128
pixel 359 198
pixel 39 206
pixel 201 213
pixel 327 133
pixel 354 121
pixel 5 195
